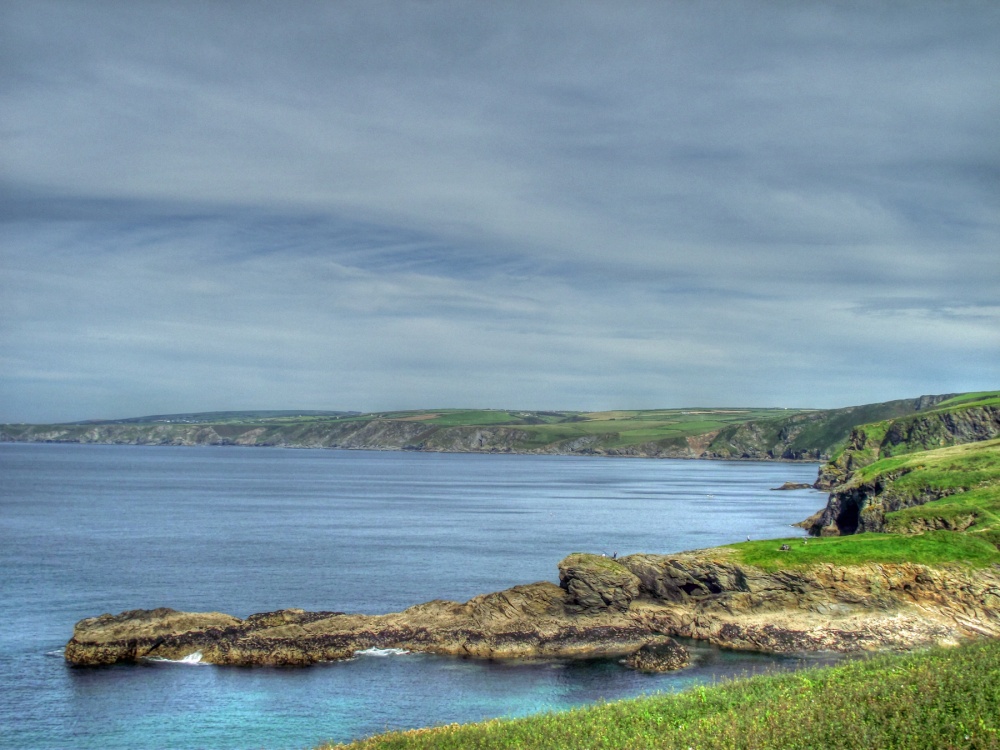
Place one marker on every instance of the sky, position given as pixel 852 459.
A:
pixel 533 205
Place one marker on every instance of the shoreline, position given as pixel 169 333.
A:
pixel 602 607
pixel 385 449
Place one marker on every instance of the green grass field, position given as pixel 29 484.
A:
pixel 932 700
pixel 931 548
pixel 721 432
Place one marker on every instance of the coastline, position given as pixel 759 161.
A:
pixel 595 453
pixel 602 607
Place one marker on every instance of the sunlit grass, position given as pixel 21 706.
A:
pixel 970 473
pixel 942 698
pixel 931 548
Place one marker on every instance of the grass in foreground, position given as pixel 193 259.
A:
pixel 937 699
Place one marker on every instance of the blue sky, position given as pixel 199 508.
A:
pixel 381 205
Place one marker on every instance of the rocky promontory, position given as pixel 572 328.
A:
pixel 629 607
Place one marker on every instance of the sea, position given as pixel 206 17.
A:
pixel 89 529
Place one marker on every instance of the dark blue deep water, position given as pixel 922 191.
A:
pixel 92 529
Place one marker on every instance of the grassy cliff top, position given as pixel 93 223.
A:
pixel 969 477
pixel 908 433
pixel 980 398
pixel 930 548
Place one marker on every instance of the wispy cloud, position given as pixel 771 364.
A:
pixel 368 205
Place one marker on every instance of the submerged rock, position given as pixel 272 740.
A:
pixel 660 657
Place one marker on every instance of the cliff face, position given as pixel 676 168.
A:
pixel 861 507
pixel 873 478
pixel 375 434
pixel 807 437
pixel 658 434
pixel 860 500
pixel 936 429
pixel 601 607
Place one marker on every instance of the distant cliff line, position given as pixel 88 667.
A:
pixel 731 434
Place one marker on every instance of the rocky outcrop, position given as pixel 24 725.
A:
pixel 533 620
pixel 601 607
pixel 859 507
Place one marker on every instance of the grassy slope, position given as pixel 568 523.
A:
pixel 942 698
pixel 875 432
pixel 980 398
pixel 824 432
pixel 970 471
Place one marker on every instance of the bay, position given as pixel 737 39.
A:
pixel 87 529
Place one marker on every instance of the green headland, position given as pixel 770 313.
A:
pixel 710 432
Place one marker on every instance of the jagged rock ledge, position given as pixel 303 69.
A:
pixel 603 607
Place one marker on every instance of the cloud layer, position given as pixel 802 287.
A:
pixel 563 205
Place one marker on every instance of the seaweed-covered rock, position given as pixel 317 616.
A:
pixel 665 656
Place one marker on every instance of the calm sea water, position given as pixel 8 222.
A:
pixel 92 529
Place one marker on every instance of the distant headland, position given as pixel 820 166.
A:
pixel 708 433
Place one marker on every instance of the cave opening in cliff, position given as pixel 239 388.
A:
pixel 849 517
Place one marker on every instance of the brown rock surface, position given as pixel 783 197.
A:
pixel 659 657
pixel 597 583
pixel 604 607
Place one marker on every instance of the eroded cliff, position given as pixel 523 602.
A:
pixel 938 428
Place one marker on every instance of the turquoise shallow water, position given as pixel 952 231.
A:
pixel 92 529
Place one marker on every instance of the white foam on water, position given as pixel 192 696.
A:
pixel 194 658
pixel 58 653
pixel 382 652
